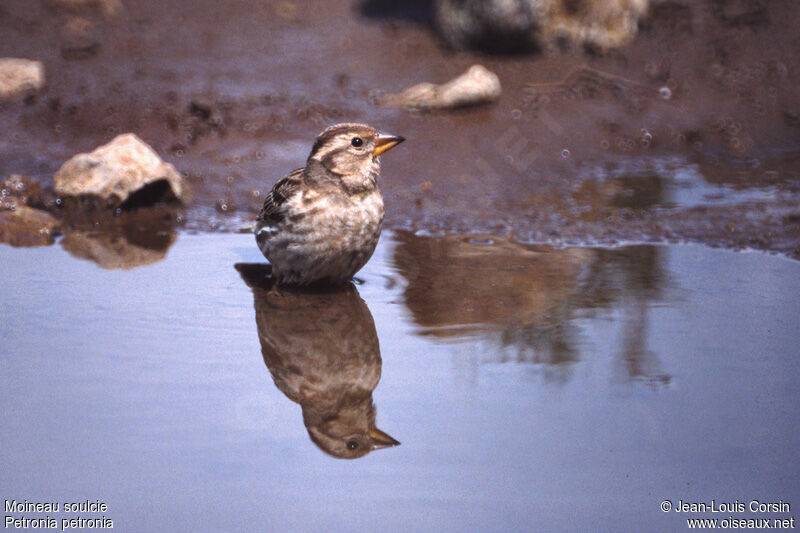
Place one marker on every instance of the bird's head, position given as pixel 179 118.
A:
pixel 350 431
pixel 350 152
pixel 353 445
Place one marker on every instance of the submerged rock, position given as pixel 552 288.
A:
pixel 20 76
pixel 478 85
pixel 125 171
pixel 518 25
pixel 25 226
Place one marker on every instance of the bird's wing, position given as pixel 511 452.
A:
pixel 273 211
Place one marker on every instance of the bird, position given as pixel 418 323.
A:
pixel 322 351
pixel 320 224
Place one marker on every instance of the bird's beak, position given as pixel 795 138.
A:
pixel 385 142
pixel 379 438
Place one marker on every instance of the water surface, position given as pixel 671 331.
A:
pixel 531 388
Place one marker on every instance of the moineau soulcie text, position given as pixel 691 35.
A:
pixel 88 506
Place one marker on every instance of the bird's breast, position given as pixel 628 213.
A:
pixel 337 220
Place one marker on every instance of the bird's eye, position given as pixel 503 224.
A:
pixel 352 445
pixel 357 142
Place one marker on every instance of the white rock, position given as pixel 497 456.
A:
pixel 20 76
pixel 478 85
pixel 114 171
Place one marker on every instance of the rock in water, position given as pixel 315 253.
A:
pixel 20 76
pixel 126 170
pixel 478 85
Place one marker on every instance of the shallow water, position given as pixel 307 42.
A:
pixel 531 388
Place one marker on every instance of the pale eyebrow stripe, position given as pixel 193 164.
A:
pixel 331 146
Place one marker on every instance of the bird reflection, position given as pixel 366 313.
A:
pixel 322 350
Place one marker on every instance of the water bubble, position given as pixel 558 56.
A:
pixel 565 153
pixel 58 128
pixel 646 138
pixel 260 155
pixel 665 93
pixel 604 144
pixel 516 114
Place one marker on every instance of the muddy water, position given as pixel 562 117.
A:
pixel 531 388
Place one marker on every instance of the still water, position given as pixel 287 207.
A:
pixel 531 388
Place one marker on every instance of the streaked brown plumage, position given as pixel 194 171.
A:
pixel 321 223
pixel 322 350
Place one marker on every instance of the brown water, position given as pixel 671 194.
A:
pixel 531 388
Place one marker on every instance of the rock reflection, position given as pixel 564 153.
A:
pixel 128 241
pixel 527 298
pixel 322 350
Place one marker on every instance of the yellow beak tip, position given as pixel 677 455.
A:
pixel 386 142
